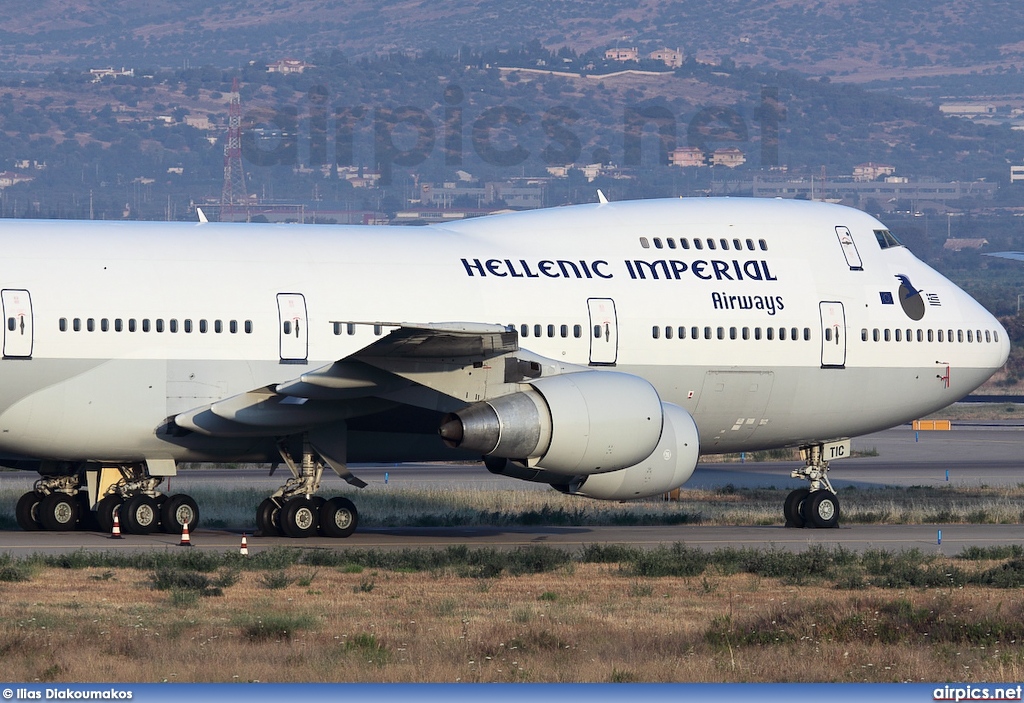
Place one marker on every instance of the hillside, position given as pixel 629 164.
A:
pixel 849 39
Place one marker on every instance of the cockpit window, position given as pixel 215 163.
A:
pixel 886 239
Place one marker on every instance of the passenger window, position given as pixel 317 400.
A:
pixel 682 333
pixel 746 333
pixel 63 324
pixel 988 338
pixel 644 243
pixel 874 334
pixel 655 332
pixel 551 330
pixel 174 326
pixel 695 333
pixel 721 333
pixel 160 325
pixel 732 333
pixel 940 335
pixel 202 327
pixel 807 334
pixel 377 329
pixel 697 244
pixel 736 245
pixel 970 336
pixel 188 326
pixel 920 335
pixel 248 326
pixel 960 336
pixel 145 324
pixel 524 330
pixel 337 327
pixel 671 243
pixel 287 327
pixel 793 334
pixel 350 328
pixel 90 324
pixel 218 326
pixel 131 324
pixel 657 243
pixel 864 334
pixel 931 335
pixel 899 338
pixel 725 244
pixel 77 324
pixel 668 333
pixel 887 335
pixel 118 325
pixel 750 244
pixel 564 331
pixel 597 331
pixel 757 333
pixel 537 331
pixel 577 331
pixel 828 334
pixel 685 243
pixel 763 244
pixel 711 243
pixel 769 333
pixel 707 333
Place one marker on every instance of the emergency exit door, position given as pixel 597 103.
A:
pixel 604 332
pixel 292 327
pixel 833 335
pixel 18 335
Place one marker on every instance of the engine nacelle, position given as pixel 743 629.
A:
pixel 573 424
pixel 669 466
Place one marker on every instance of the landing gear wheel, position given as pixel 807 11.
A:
pixel 791 508
pixel 177 511
pixel 58 512
pixel 27 511
pixel 139 515
pixel 299 517
pixel 105 510
pixel 268 519
pixel 86 517
pixel 821 509
pixel 338 518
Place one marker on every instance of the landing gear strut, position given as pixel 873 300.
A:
pixel 818 505
pixel 294 510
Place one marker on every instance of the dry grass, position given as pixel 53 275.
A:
pixel 580 623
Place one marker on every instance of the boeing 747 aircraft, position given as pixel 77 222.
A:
pixel 596 348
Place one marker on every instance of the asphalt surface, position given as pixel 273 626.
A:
pixel 972 454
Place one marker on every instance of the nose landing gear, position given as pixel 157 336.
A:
pixel 818 505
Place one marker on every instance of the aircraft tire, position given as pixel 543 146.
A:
pixel 58 512
pixel 105 510
pixel 27 511
pixel 338 517
pixel 821 509
pixel 139 515
pixel 176 511
pixel 791 508
pixel 299 518
pixel 268 519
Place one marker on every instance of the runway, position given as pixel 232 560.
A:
pixel 973 454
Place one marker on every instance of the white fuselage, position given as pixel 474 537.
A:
pixel 767 339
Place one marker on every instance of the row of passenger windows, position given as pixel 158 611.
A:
pixel 699 244
pixel 909 335
pixel 104 324
pixel 349 328
pixel 794 334
pixel 555 330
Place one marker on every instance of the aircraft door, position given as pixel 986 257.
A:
pixel 833 335
pixel 849 249
pixel 604 332
pixel 292 327
pixel 18 334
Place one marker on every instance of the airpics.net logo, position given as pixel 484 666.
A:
pixel 317 133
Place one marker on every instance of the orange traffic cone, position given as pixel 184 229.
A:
pixel 186 541
pixel 244 551
pixel 116 532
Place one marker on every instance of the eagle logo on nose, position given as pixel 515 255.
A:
pixel 911 299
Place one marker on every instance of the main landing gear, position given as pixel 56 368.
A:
pixel 294 510
pixel 61 503
pixel 818 505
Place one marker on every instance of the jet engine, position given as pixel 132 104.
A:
pixel 584 423
pixel 668 467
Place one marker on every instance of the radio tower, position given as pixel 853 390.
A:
pixel 233 197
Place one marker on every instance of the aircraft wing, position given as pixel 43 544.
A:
pixel 439 366
pixel 1013 255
